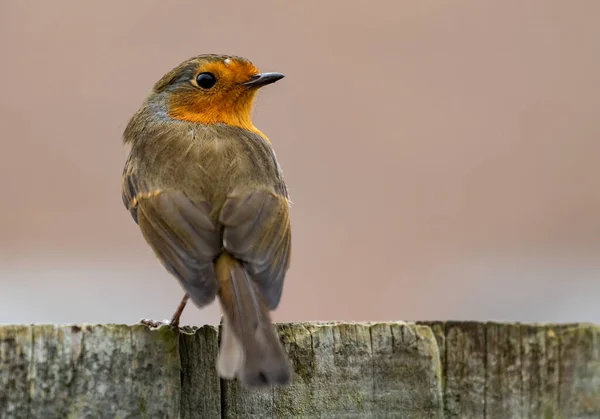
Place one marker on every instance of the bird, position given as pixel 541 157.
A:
pixel 205 188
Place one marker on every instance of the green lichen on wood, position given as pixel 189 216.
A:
pixel 465 366
pixel 88 371
pixel 579 394
pixel 539 371
pixel 349 370
pixel 504 370
pixel 341 370
pixel 201 386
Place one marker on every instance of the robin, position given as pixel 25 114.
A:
pixel 205 188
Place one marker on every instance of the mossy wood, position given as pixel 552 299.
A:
pixel 381 370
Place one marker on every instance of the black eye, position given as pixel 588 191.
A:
pixel 206 80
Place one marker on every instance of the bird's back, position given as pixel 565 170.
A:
pixel 205 162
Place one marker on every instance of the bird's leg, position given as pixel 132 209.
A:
pixel 174 320
pixel 179 311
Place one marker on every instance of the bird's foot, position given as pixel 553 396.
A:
pixel 174 322
pixel 154 324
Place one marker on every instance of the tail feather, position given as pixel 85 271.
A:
pixel 250 348
pixel 230 358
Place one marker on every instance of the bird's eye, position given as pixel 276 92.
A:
pixel 206 80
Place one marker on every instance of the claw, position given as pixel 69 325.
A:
pixel 154 324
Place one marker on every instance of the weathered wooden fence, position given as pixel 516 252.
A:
pixel 341 370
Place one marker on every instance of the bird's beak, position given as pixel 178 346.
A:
pixel 262 79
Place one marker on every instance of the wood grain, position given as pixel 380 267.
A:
pixel 341 370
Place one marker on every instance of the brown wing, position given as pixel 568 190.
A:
pixel 182 235
pixel 257 232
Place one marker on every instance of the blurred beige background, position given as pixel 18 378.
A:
pixel 442 156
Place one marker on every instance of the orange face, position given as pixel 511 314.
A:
pixel 215 89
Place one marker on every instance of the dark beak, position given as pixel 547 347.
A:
pixel 262 79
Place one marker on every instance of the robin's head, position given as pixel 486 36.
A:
pixel 212 89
